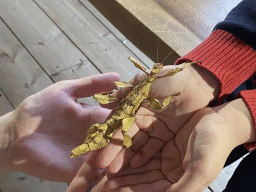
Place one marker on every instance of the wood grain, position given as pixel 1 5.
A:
pixel 199 16
pixel 41 37
pixel 99 45
pixel 146 60
pixel 20 74
pixel 178 25
pixel 81 70
pixel 45 41
pixel 5 105
pixel 21 182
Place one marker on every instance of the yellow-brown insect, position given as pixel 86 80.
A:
pixel 100 134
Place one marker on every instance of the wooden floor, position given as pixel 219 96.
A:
pixel 46 41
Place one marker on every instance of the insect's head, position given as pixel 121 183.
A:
pixel 157 68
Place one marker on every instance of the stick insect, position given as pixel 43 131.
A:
pixel 100 134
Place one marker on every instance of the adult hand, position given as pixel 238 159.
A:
pixel 88 174
pixel 49 124
pixel 197 88
pixel 195 156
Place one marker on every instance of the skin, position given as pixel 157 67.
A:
pixel 46 126
pixel 193 80
pixel 197 87
pixel 195 157
pixel 95 138
pixel 182 148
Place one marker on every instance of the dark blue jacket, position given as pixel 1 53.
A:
pixel 241 22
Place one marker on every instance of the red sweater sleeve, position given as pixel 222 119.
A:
pixel 249 97
pixel 232 61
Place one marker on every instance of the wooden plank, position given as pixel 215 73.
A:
pixel 171 25
pixel 101 47
pixel 19 182
pixel 5 105
pixel 48 186
pixel 20 75
pixel 117 33
pixel 206 14
pixel 81 70
pixel 149 12
pixel 41 37
pixel 136 31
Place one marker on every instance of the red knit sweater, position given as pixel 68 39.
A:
pixel 232 61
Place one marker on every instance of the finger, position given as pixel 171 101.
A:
pixel 139 140
pixel 108 154
pixel 98 185
pixel 122 159
pixel 122 92
pixel 111 105
pixel 172 162
pixel 151 148
pixel 97 113
pixel 126 154
pixel 159 134
pixel 202 189
pixel 91 85
pixel 85 176
pixel 143 178
pixel 140 77
pixel 153 164
pixel 192 180
pixel 153 126
pixel 159 186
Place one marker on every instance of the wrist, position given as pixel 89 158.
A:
pixel 209 84
pixel 7 136
pixel 227 57
pixel 239 117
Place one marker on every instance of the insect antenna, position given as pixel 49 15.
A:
pixel 167 56
pixel 157 54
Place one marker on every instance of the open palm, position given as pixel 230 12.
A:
pixel 188 162
pixel 152 131
pixel 49 124
pixel 197 88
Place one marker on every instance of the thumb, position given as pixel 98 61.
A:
pixel 193 180
pixel 83 180
pixel 88 86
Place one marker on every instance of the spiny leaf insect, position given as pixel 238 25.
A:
pixel 100 134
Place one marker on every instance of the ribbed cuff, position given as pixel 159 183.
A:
pixel 249 97
pixel 230 59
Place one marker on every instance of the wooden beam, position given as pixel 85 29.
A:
pixel 170 25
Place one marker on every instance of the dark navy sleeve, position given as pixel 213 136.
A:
pixel 241 22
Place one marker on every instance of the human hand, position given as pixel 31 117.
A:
pixel 195 156
pixel 87 175
pixel 49 124
pixel 197 87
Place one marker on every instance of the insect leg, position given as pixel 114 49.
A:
pixel 177 70
pixel 127 123
pixel 81 149
pixel 138 65
pixel 122 84
pixel 105 98
pixel 156 105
